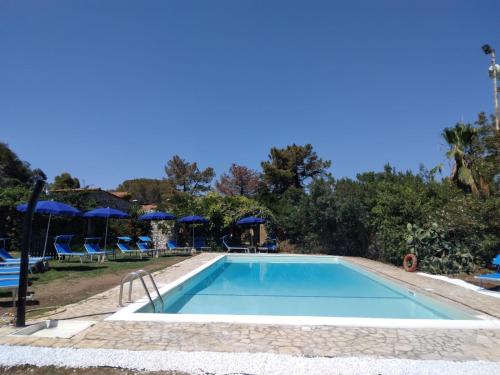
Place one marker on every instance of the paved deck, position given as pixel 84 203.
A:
pixel 328 341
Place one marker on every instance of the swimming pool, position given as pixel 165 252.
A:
pixel 283 288
pixel 296 286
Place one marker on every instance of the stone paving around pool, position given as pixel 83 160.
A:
pixel 325 341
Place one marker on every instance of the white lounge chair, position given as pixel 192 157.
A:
pixel 234 248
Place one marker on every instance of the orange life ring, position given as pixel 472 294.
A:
pixel 407 259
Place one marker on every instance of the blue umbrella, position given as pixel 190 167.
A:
pixel 194 219
pixel 51 208
pixel 251 220
pixel 158 215
pixel 107 213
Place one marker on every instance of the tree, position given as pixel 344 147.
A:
pixel 65 181
pixel 460 140
pixel 187 178
pixel 13 171
pixel 222 213
pixel 292 166
pixel 11 223
pixel 239 181
pixel 144 190
pixel 486 153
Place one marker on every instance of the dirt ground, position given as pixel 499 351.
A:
pixel 61 292
pixel 50 370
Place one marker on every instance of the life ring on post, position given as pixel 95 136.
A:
pixel 410 258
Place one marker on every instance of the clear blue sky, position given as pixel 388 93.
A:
pixel 110 90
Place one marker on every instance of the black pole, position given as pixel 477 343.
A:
pixel 23 272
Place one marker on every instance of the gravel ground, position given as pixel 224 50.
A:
pixel 51 370
pixel 232 363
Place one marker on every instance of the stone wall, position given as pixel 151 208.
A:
pixel 161 231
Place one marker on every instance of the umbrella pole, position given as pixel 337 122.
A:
pixel 106 235
pixel 251 238
pixel 156 238
pixel 46 236
pixel 193 238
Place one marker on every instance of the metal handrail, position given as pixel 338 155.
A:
pixel 130 277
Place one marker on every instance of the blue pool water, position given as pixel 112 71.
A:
pixel 298 286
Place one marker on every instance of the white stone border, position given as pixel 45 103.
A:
pixel 463 284
pixel 129 313
pixel 234 363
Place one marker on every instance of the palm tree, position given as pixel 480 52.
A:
pixel 460 139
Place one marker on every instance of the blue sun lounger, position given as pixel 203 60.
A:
pixel 8 258
pixel 13 269
pixel 145 239
pixel 173 246
pixel 123 245
pixel 270 246
pixel 200 243
pixel 6 270
pixel 63 249
pixel 10 283
pixel 149 243
pixel 496 262
pixel 144 247
pixel 493 278
pixel 91 246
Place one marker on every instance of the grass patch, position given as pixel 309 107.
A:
pixel 74 270
pixel 69 281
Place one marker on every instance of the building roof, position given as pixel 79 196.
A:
pixel 148 207
pixel 82 190
pixel 118 194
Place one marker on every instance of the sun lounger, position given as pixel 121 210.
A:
pixel 63 249
pixel 496 262
pixel 270 246
pixel 234 248
pixel 11 283
pixel 152 245
pixel 124 247
pixel 143 245
pixel 7 280
pixel 91 246
pixel 173 246
pixel 200 244
pixel 493 278
pixel 145 239
pixel 9 270
pixel 8 258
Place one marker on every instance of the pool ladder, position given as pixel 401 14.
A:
pixel 139 274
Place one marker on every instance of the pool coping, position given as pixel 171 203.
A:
pixel 128 313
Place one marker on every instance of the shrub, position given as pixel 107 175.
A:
pixel 436 252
